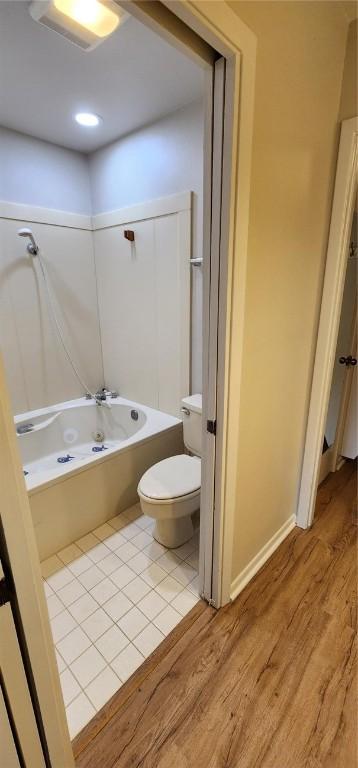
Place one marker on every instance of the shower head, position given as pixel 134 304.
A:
pixel 31 247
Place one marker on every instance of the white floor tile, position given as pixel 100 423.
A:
pixel 61 625
pixel 82 608
pixel 111 643
pixel 169 588
pixel 117 606
pixel 98 553
pixel 152 604
pixel 127 662
pixel 80 565
pixel 136 589
pixel 153 574
pixel 194 586
pixel 118 522
pixel 133 622
pixel 97 624
pixel 102 688
pixel 184 573
pixel 167 619
pixel 54 606
pixel 47 589
pixel 130 530
pixel 73 645
pixel 60 579
pixel 127 551
pixel 103 531
pixel 79 713
pixel 110 564
pixel 50 566
pixel 115 541
pixel 193 560
pixel 87 666
pixel 169 561
pixel 140 562
pixel 103 591
pixel 70 553
pixel 184 602
pixel 91 577
pixel 142 540
pixel 144 590
pixel 71 592
pixel 185 550
pixel 133 513
pixel 87 542
pixel 148 640
pixel 154 550
pixel 69 686
pixel 122 576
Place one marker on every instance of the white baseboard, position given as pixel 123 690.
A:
pixel 262 556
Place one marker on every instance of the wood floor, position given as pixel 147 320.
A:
pixel 267 681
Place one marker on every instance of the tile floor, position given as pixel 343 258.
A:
pixel 112 597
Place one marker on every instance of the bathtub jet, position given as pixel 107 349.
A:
pixel 32 247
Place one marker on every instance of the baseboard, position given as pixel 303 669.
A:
pixel 262 556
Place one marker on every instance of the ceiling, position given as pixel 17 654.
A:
pixel 130 80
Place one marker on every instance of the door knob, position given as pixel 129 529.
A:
pixel 348 360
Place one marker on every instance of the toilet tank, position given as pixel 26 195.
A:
pixel 191 409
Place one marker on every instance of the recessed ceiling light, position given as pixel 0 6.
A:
pixel 89 119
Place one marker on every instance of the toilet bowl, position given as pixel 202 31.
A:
pixel 169 491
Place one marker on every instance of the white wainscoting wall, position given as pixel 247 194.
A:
pixel 144 300
pixel 37 369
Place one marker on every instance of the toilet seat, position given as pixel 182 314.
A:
pixel 172 479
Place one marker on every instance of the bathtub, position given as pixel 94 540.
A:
pixel 82 463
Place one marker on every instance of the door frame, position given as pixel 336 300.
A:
pixel 197 26
pixel 336 264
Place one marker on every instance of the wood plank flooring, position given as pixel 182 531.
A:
pixel 269 681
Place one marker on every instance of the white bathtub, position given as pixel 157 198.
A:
pixel 83 462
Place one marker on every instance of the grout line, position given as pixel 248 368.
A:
pixel 153 590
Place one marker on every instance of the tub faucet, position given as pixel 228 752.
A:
pixel 101 395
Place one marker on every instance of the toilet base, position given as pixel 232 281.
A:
pixel 173 533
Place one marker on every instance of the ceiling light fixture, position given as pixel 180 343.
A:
pixel 89 119
pixel 84 22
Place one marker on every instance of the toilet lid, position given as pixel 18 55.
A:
pixel 173 477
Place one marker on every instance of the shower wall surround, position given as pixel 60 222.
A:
pixel 55 191
pixel 37 369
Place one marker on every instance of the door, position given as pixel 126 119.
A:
pixel 344 363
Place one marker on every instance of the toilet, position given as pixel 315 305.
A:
pixel 169 491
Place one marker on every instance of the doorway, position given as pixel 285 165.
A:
pixel 233 191
pixel 340 440
pixel 328 416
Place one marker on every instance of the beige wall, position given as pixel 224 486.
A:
pixel 349 95
pixel 300 58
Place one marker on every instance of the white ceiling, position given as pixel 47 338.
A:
pixel 131 79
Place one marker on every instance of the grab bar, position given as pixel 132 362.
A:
pixel 27 429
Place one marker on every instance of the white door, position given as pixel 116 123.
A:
pixel 344 364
